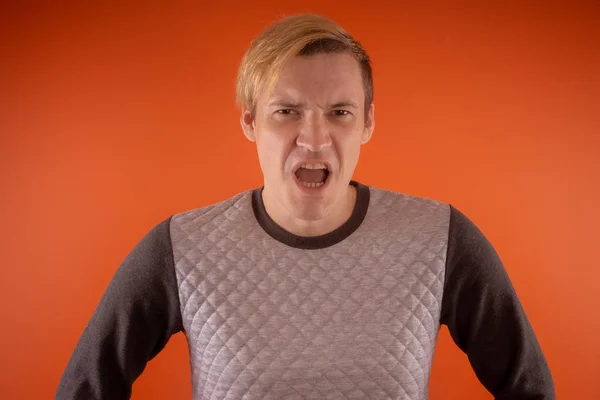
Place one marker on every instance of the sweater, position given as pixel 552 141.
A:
pixel 352 314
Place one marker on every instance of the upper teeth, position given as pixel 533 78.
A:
pixel 314 166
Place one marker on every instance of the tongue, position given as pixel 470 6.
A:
pixel 311 175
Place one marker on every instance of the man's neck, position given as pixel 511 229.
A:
pixel 341 213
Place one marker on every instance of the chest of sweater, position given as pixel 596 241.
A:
pixel 263 320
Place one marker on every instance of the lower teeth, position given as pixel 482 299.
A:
pixel 312 184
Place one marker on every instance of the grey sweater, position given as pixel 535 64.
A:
pixel 353 314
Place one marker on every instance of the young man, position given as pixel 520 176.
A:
pixel 314 286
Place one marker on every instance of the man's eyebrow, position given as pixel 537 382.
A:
pixel 289 104
pixel 283 104
pixel 342 104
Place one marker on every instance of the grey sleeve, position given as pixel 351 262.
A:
pixel 486 319
pixel 133 322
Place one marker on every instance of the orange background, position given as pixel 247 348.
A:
pixel 114 117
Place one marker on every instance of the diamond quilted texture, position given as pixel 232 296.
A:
pixel 357 320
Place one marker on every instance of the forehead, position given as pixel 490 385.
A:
pixel 321 77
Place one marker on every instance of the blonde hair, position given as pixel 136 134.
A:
pixel 299 35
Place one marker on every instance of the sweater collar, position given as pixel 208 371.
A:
pixel 313 242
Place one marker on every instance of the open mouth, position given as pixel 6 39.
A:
pixel 312 175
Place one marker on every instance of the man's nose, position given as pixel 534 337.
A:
pixel 314 134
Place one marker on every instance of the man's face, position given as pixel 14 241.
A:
pixel 309 132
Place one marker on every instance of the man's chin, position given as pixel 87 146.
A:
pixel 310 214
pixel 307 207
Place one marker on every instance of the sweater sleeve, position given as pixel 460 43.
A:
pixel 486 319
pixel 133 322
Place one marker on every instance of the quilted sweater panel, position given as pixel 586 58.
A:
pixel 356 320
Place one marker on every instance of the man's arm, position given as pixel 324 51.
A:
pixel 486 319
pixel 133 322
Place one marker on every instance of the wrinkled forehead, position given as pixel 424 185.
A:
pixel 320 78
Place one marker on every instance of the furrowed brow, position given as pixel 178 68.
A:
pixel 343 104
pixel 284 104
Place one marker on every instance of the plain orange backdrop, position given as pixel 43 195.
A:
pixel 113 117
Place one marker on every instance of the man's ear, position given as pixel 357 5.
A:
pixel 369 124
pixel 247 122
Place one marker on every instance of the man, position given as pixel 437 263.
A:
pixel 314 286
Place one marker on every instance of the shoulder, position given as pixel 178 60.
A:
pixel 229 208
pixel 212 222
pixel 392 199
pixel 390 204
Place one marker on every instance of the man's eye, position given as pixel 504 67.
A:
pixel 285 111
pixel 341 112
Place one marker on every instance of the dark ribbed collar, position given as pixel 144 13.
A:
pixel 313 242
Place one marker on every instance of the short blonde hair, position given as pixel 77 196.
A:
pixel 299 35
